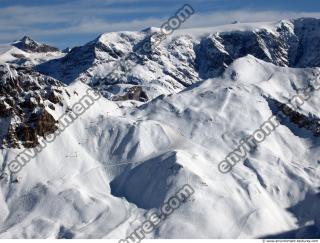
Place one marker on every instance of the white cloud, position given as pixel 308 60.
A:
pixel 246 16
pixel 86 18
pixel 96 25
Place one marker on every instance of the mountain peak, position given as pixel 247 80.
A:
pixel 29 45
pixel 151 29
pixel 26 39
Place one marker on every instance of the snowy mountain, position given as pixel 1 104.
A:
pixel 165 123
pixel 27 53
pixel 186 57
pixel 29 45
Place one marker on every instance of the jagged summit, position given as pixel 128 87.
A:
pixel 29 45
pixel 26 40
pixel 187 56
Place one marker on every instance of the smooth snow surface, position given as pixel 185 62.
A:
pixel 132 150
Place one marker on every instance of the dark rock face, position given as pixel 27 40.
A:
pixel 306 51
pixel 134 93
pixel 38 124
pixel 294 44
pixel 29 45
pixel 78 60
pixel 311 124
pixel 24 98
pixel 82 62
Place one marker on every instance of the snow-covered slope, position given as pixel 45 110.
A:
pixel 123 158
pixel 9 53
pixel 28 53
pixel 100 177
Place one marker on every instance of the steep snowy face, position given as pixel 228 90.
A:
pixel 290 43
pixel 28 45
pixel 165 69
pixel 218 51
pixel 27 100
pixel 184 58
pixel 80 60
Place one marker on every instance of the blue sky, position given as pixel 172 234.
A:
pixel 74 22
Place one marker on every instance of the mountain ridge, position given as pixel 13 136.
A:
pixel 183 59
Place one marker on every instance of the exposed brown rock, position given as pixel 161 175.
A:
pixel 134 93
pixel 23 93
pixel 310 123
pixel 38 125
pixel 28 104
pixel 53 97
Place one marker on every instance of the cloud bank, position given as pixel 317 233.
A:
pixel 70 19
